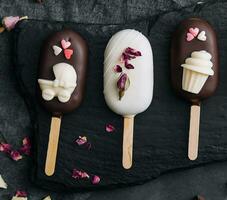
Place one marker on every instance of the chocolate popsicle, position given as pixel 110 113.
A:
pixel 61 79
pixel 194 70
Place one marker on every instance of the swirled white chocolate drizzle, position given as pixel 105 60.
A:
pixel 63 85
pixel 197 69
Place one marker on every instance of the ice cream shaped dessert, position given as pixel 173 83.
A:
pixel 194 70
pixel 61 82
pixel 128 81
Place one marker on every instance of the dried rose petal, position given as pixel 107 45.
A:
pixel 81 140
pixel 15 155
pixel 110 128
pixel 117 68
pixel 5 147
pixel 95 179
pixel 132 51
pixel 126 56
pixel 26 142
pixel 77 174
pixel 21 193
pixel 10 22
pixel 128 65
pixel 25 150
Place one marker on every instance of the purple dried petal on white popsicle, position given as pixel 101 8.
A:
pixel 128 65
pixel 117 68
pixel 132 51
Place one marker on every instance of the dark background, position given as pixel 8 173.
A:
pixel 209 180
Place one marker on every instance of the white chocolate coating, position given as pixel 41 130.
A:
pixel 63 85
pixel 139 95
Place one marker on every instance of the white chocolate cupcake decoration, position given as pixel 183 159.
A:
pixel 197 69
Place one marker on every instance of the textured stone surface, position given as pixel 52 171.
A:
pixel 15 124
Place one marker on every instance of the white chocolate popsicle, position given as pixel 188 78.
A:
pixel 128 54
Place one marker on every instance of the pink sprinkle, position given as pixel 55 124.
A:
pixel 110 128
pixel 21 193
pixel 5 147
pixel 15 155
pixel 132 51
pixel 77 174
pixel 95 180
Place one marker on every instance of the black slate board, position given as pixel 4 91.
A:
pixel 160 140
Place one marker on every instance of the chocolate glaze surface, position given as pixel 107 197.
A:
pixel 78 60
pixel 182 49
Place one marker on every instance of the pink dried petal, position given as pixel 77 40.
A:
pixel 10 22
pixel 117 68
pixel 95 179
pixel 15 155
pixel 77 174
pixel 110 128
pixel 25 150
pixel 5 147
pixel 81 140
pixel 21 193
pixel 132 51
pixel 26 142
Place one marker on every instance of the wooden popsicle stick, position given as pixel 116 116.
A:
pixel 193 142
pixel 52 146
pixel 128 142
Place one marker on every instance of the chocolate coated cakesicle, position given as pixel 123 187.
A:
pixel 194 69
pixel 128 81
pixel 61 79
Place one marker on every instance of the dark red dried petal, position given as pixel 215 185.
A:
pixel 132 51
pixel 110 128
pixel 117 68
pixel 128 65
pixel 21 193
pixel 5 147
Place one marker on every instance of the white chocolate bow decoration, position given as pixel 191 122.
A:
pixel 63 85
